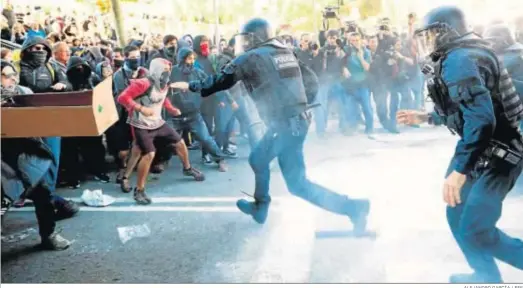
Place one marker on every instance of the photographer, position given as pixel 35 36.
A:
pixel 304 52
pixel 399 83
pixel 357 86
pixel 331 88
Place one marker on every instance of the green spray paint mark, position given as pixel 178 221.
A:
pixel 100 108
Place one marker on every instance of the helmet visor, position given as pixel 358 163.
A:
pixel 242 43
pixel 426 42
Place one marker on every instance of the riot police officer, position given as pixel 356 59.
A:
pixel 475 98
pixel 281 89
pixel 510 51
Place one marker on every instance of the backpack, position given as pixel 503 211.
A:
pixel 49 66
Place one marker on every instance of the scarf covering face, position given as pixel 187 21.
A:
pixel 159 76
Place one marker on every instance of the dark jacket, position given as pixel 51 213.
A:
pixel 188 102
pixel 40 79
pixel 27 162
pixel 84 80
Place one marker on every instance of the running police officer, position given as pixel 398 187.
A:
pixel 475 98
pixel 272 75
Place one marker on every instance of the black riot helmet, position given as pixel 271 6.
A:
pixel 500 36
pixel 254 32
pixel 440 26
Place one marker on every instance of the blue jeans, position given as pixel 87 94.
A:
pixel 197 126
pixel 285 142
pixel 356 98
pixel 473 222
pixel 54 144
pixel 246 116
pixel 327 93
pixel 397 92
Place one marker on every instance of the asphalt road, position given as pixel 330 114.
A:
pixel 193 233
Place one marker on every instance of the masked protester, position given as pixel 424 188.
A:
pixel 144 99
pixel 189 105
pixel 169 50
pixel 91 149
pixel 35 159
pixel 118 58
pixel 93 55
pixel 210 105
pixel 36 72
pixel 119 135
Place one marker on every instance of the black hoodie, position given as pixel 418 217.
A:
pixel 80 74
pixel 37 76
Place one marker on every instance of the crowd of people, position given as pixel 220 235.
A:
pixel 357 70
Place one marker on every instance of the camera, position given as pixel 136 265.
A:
pixel 314 46
pixel 351 26
pixel 330 12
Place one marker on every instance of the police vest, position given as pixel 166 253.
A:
pixel 501 88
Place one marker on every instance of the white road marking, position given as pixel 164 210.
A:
pixel 147 209
pixel 180 199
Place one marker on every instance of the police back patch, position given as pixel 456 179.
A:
pixel 286 64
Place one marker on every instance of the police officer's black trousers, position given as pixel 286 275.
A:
pixel 473 223
pixel 285 142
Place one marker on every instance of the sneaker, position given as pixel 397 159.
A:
pixel 74 184
pixel 19 203
pixel 125 186
pixel 157 169
pixel 198 176
pixel 207 160
pixel 222 166
pixel 55 242
pixel 228 152
pixel 258 210
pixel 119 178
pixel 141 197
pixel 67 210
pixel 195 145
pixel 102 177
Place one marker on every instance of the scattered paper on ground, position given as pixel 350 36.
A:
pixel 130 232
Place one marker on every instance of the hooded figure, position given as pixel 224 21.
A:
pixel 93 55
pixel 103 71
pixel 188 102
pixel 168 52
pixel 188 39
pixel 80 74
pixel 36 72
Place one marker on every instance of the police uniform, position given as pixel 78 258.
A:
pixel 273 77
pixel 478 102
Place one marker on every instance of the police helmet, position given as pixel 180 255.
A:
pixel 254 32
pixel 440 26
pixel 500 36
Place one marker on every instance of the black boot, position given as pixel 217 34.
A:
pixel 258 210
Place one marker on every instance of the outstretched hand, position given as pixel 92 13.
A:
pixel 180 85
pixel 411 117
